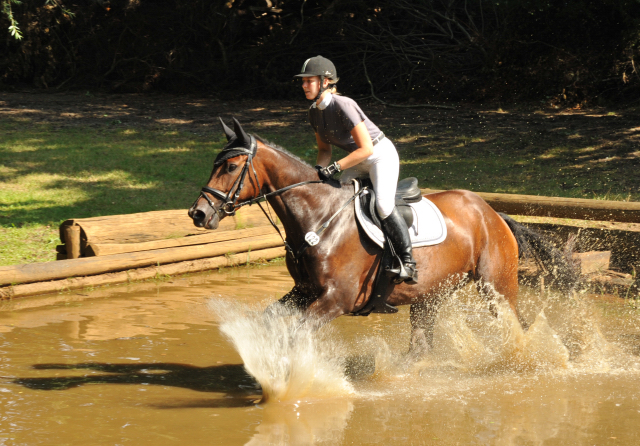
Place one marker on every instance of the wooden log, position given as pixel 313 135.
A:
pixel 623 242
pixel 593 261
pixel 38 272
pixel 154 225
pixel 72 241
pixel 192 266
pixel 576 208
pixel 98 249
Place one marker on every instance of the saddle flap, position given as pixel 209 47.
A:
pixel 406 213
pixel 428 228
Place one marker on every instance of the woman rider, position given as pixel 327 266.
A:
pixel 339 121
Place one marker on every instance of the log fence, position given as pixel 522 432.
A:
pixel 108 249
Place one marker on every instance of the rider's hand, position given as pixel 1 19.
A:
pixel 327 173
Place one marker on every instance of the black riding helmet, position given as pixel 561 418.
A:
pixel 319 66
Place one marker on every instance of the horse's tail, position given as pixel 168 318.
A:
pixel 563 271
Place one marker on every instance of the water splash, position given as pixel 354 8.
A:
pixel 289 360
pixel 470 345
pixel 564 337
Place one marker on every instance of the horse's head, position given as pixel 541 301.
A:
pixel 226 186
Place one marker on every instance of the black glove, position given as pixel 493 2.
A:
pixel 327 173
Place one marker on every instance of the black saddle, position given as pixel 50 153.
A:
pixel 406 192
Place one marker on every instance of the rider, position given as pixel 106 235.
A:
pixel 339 121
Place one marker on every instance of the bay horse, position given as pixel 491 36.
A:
pixel 335 277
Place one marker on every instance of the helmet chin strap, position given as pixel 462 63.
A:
pixel 321 90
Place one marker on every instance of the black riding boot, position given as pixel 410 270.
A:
pixel 396 230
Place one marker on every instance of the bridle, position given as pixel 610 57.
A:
pixel 230 206
pixel 230 200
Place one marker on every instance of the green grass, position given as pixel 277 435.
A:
pixel 48 176
pixel 574 168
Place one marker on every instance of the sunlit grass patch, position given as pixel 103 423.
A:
pixel 28 244
pixel 50 175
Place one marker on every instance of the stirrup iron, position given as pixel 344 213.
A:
pixel 401 274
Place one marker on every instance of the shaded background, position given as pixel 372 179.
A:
pixel 569 52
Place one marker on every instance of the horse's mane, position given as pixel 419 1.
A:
pixel 287 153
pixel 281 149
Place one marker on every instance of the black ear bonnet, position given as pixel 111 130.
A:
pixel 239 143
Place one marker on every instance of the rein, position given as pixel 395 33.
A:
pixel 229 206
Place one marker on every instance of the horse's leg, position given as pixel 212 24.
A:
pixel 422 316
pixel 497 279
pixel 298 298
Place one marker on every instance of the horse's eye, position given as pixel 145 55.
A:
pixel 232 167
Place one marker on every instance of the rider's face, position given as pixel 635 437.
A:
pixel 311 86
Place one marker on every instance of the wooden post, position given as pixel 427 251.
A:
pixel 150 272
pixel 72 241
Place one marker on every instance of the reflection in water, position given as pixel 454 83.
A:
pixel 303 423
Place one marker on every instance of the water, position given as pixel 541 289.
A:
pixel 195 361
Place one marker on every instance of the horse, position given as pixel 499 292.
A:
pixel 335 276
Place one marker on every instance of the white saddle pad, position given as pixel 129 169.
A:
pixel 428 224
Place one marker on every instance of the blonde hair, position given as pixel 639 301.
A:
pixel 332 88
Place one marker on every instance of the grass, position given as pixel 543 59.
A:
pixel 575 168
pixel 48 174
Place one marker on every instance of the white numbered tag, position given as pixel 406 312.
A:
pixel 312 238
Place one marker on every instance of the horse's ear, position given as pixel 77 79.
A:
pixel 242 135
pixel 227 131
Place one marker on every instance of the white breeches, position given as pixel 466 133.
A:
pixel 383 167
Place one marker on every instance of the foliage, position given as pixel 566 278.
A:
pixel 421 50
pixel 14 30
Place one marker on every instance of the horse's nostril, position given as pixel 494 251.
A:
pixel 198 218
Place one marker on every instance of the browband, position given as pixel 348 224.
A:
pixel 231 152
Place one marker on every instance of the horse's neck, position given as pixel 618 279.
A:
pixel 303 208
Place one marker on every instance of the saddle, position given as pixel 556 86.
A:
pixel 406 192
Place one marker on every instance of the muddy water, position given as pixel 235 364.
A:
pixel 164 364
